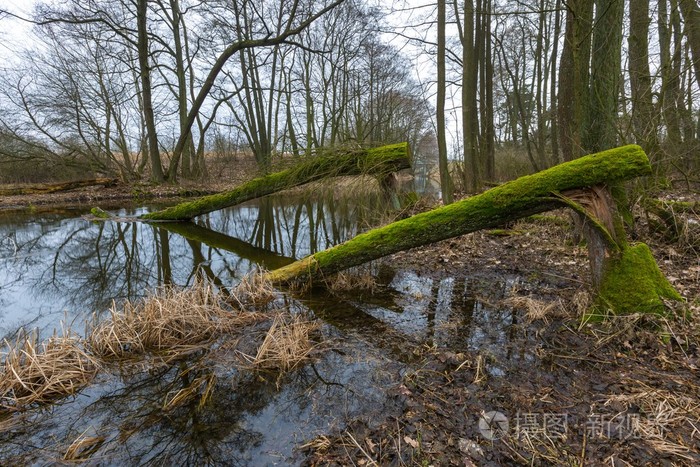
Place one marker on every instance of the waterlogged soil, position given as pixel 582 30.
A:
pixel 625 392
pixel 466 352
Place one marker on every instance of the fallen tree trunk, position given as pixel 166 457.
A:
pixel 626 277
pixel 377 161
pixel 522 197
pixel 41 188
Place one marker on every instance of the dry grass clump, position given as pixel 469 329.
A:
pixel 254 289
pixel 535 309
pixel 40 373
pixel 352 280
pixel 662 413
pixel 288 342
pixel 172 321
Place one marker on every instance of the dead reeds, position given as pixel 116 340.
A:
pixel 169 325
pixel 41 373
pixel 174 322
pixel 535 309
pixel 288 342
pixel 254 289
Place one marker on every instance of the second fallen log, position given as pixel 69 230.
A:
pixel 377 161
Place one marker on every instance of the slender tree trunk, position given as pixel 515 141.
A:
pixel 691 16
pixel 181 93
pixel 554 129
pixel 487 114
pixel 469 91
pixel 643 119
pixel 145 73
pixel 445 178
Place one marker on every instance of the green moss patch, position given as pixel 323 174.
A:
pixel 633 283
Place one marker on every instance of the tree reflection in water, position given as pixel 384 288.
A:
pixel 56 263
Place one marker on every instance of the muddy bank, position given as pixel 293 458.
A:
pixel 624 392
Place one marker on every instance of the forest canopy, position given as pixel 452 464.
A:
pixel 153 89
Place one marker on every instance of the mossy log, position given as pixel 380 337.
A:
pixel 377 161
pixel 552 188
pixel 626 277
pixel 519 198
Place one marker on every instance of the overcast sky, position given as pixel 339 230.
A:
pixel 13 32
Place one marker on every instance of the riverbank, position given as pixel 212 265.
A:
pixel 624 392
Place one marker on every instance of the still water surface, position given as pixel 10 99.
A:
pixel 59 266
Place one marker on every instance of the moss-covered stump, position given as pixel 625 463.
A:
pixel 632 283
pixel 376 161
pixel 522 197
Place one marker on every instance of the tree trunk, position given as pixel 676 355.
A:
pixel 145 73
pixel 378 161
pixel 691 16
pixel 573 77
pixel 55 187
pixel 445 178
pixel 643 118
pixel 600 124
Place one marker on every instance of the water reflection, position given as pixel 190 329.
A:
pixel 248 420
pixel 61 266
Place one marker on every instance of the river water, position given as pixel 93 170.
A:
pixel 58 266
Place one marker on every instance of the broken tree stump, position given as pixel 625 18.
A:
pixel 377 161
pixel 519 198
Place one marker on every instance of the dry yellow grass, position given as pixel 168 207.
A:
pixel 173 322
pixel 254 289
pixel 288 342
pixel 40 373
pixel 535 309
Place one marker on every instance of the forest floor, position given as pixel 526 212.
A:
pixel 621 393
pixel 624 392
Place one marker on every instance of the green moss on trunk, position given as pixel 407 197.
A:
pixel 519 198
pixel 632 283
pixel 382 160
